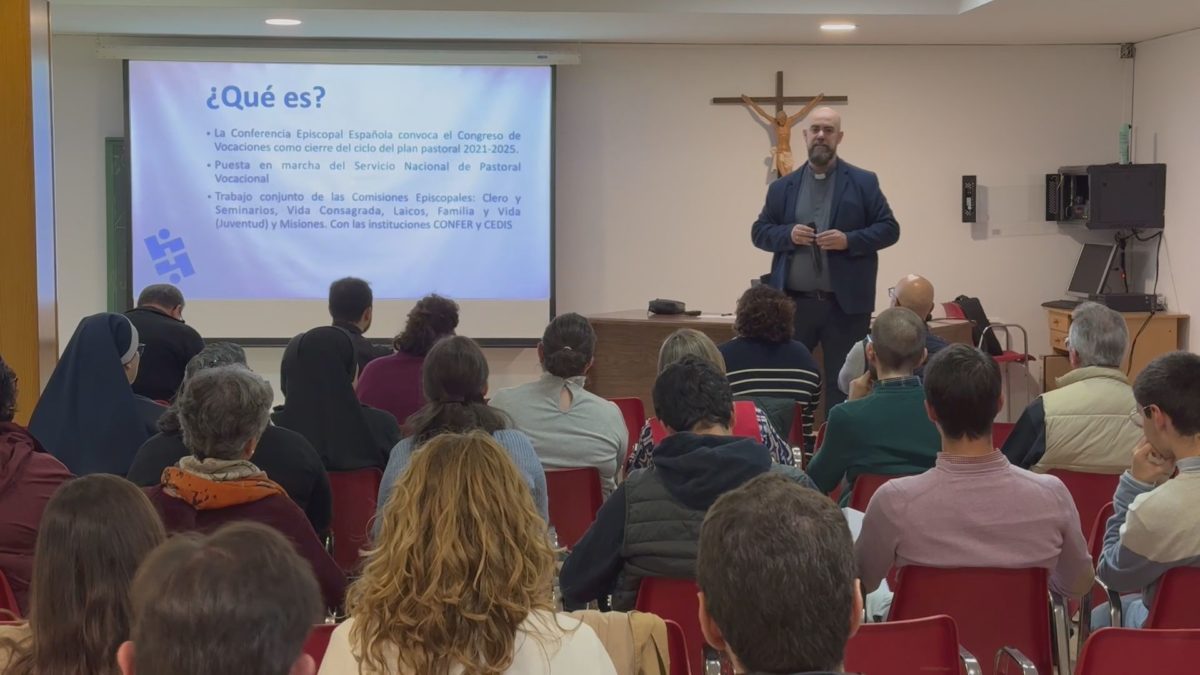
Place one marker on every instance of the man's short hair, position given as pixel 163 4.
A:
pixel 898 336
pixel 240 600
pixel 776 565
pixel 692 392
pixel 161 295
pixel 1172 382
pixel 962 385
pixel 349 298
pixel 1098 335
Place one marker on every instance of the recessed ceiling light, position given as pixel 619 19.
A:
pixel 838 27
pixel 284 22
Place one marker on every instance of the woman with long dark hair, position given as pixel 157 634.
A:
pixel 94 533
pixel 393 382
pixel 455 378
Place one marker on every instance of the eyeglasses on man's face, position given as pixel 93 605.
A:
pixel 1138 415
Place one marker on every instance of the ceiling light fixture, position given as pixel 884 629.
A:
pixel 284 22
pixel 838 27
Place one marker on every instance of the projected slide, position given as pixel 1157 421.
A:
pixel 255 182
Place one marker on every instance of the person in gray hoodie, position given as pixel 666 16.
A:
pixel 650 526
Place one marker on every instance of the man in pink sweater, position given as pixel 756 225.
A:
pixel 973 509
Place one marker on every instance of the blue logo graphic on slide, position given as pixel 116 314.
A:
pixel 168 256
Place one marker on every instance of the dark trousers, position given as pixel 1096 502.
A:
pixel 821 321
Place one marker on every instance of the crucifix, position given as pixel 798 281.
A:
pixel 781 122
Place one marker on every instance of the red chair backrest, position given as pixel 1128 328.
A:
pixel 1176 600
pixel 745 423
pixel 992 608
pixel 1121 651
pixel 634 412
pixel 8 601
pixel 1096 536
pixel 820 436
pixel 1089 491
pixel 676 600
pixel 575 496
pixel 953 311
pixel 864 488
pixel 677 649
pixel 318 641
pixel 914 647
pixel 355 496
pixel 1000 433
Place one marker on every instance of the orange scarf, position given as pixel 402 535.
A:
pixel 205 494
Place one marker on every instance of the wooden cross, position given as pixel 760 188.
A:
pixel 780 122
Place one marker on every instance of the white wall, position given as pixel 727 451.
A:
pixel 657 188
pixel 1166 101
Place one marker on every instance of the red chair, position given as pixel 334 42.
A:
pixel 820 436
pixel 676 600
pixel 1000 433
pixel 1097 597
pixel 745 423
pixel 1022 358
pixel 915 647
pixel 318 641
pixel 8 601
pixel 574 497
pixel 355 496
pixel 997 611
pixel 634 412
pixel 677 649
pixel 1089 491
pixel 1176 600
pixel 864 488
pixel 1121 651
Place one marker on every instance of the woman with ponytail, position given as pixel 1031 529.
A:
pixel 454 378
pixel 570 427
pixel 393 382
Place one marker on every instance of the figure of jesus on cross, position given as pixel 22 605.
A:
pixel 783 123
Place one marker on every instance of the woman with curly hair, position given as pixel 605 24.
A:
pixel 764 363
pixel 393 382
pixel 460 578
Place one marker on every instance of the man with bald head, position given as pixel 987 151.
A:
pixel 825 223
pixel 912 292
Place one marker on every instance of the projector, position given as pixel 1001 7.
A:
pixel 1127 302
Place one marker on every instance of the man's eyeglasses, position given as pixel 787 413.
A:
pixel 892 292
pixel 1138 415
pixel 141 348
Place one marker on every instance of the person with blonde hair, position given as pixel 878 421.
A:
pixel 460 577
pixel 690 342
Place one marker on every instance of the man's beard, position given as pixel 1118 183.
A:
pixel 820 155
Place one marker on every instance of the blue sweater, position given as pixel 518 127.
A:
pixel 514 441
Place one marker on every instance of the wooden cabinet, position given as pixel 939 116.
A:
pixel 1159 333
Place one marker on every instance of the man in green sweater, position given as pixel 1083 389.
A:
pixel 883 428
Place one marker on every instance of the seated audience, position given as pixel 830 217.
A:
pixel 461 576
pixel 796 614
pixel 28 478
pixel 94 533
pixel 317 379
pixel 688 342
pixel 912 292
pixel 88 416
pixel 351 305
pixel 649 526
pixel 222 413
pixel 1153 527
pixel 973 509
pixel 237 601
pixel 1084 425
pixel 393 382
pixel 883 430
pixel 569 426
pixel 764 363
pixel 170 343
pixel 286 456
pixel 454 378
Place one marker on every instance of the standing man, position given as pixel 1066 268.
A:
pixel 351 306
pixel 170 343
pixel 825 223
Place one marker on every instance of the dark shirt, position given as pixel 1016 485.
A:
pixel 1027 442
pixel 364 351
pixel 170 344
pixel 286 456
pixel 384 432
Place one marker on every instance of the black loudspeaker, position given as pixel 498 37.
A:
pixel 970 205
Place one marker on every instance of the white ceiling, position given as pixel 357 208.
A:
pixel 654 21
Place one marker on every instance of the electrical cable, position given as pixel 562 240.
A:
pixel 1154 296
